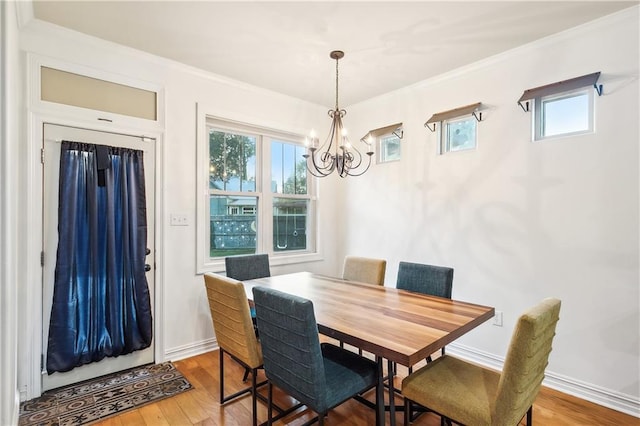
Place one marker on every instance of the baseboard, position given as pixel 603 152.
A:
pixel 606 397
pixel 186 351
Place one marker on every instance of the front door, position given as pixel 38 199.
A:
pixel 53 135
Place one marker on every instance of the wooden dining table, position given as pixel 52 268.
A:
pixel 400 326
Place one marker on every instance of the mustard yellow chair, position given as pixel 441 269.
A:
pixel 469 394
pixel 364 269
pixel 234 331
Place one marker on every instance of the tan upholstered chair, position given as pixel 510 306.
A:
pixel 364 269
pixel 234 331
pixel 474 395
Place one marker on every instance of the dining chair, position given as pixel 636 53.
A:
pixel 234 332
pixel 473 395
pixel 247 267
pixel 426 279
pixel 364 269
pixel 321 376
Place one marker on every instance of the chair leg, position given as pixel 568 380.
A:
pixel 246 375
pixel 269 404
pixel 221 376
pixel 530 416
pixel 254 398
pixel 407 411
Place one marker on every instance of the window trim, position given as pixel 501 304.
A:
pixel 204 263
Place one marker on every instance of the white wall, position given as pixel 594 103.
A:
pixel 9 149
pixel 520 221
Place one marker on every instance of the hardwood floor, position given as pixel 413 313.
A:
pixel 200 406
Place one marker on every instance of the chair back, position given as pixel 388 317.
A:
pixel 232 319
pixel 291 347
pixel 526 361
pixel 364 269
pixel 247 267
pixel 426 279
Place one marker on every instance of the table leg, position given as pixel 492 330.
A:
pixel 380 394
pixel 392 395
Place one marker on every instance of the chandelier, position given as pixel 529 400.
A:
pixel 336 154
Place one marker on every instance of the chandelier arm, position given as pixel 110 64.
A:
pixel 364 171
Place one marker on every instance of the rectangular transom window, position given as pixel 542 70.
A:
pixel 68 88
pixel 564 108
pixel 458 135
pixel 389 149
pixel 563 114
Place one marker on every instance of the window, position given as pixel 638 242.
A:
pixel 389 149
pixel 563 114
pixel 458 127
pixel 387 139
pixel 563 108
pixel 258 195
pixel 458 135
pixel 291 205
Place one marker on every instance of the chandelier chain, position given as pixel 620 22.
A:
pixel 337 59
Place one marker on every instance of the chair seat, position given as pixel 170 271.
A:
pixel 346 374
pixel 462 390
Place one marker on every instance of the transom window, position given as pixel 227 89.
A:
pixel 458 134
pixel 563 114
pixel 389 148
pixel 258 195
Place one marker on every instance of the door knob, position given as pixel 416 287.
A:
pixel 147 267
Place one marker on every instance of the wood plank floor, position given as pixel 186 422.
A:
pixel 200 406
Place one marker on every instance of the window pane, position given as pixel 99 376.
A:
pixel 565 115
pixel 288 168
pixel 289 224
pixel 232 161
pixel 389 148
pixel 461 134
pixel 233 225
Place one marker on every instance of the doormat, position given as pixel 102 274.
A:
pixel 105 396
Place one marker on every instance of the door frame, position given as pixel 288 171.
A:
pixel 31 361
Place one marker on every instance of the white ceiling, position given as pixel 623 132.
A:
pixel 284 46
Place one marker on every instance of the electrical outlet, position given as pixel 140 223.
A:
pixel 179 219
pixel 497 319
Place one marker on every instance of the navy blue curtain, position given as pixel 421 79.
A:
pixel 101 303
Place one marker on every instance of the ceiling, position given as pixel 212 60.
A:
pixel 284 46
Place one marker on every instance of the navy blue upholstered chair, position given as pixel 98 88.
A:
pixel 425 279
pixel 247 267
pixel 321 376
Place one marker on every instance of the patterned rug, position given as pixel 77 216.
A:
pixel 105 396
